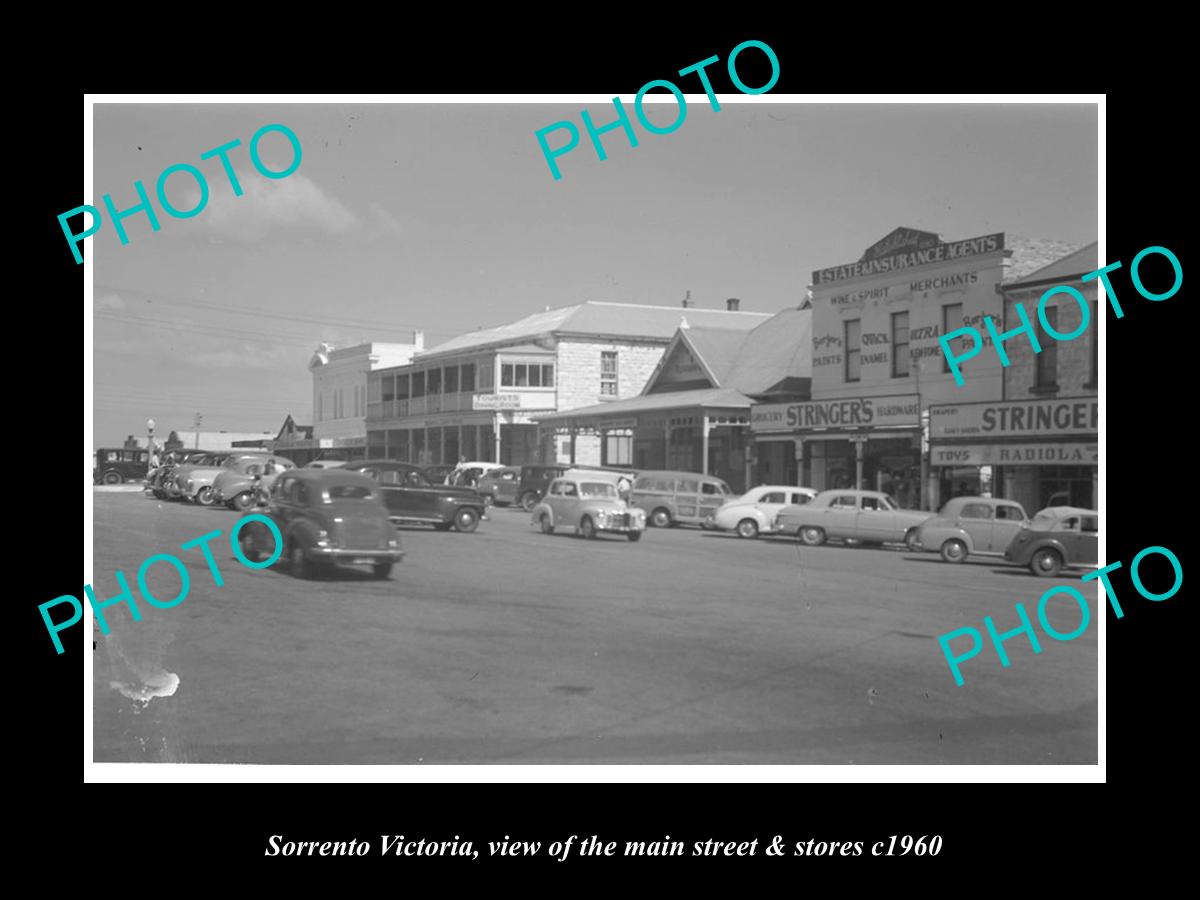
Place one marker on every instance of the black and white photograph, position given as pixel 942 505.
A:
pixel 696 428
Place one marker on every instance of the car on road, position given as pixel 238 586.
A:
pixel 412 499
pixel 754 512
pixel 500 486
pixel 535 479
pixel 193 481
pixel 590 503
pixel 1056 538
pixel 326 516
pixel 675 498
pixel 118 465
pixel 971 526
pixel 158 479
pixel 467 474
pixel 868 517
pixel 236 483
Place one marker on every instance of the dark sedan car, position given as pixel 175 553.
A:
pixel 412 499
pixel 1058 537
pixel 500 486
pixel 437 474
pixel 326 516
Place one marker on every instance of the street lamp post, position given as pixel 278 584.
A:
pixel 149 444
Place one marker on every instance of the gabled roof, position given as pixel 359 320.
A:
pixel 1031 254
pixel 775 355
pixel 1066 268
pixel 631 320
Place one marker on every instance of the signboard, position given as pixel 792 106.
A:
pixel 1062 454
pixel 902 411
pixel 326 443
pixel 614 424
pixel 495 401
pixel 909 254
pixel 348 441
pixel 1015 418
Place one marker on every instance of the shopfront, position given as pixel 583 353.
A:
pixel 1038 452
pixel 866 442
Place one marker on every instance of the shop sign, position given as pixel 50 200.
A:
pixel 1016 418
pixel 1066 454
pixel 853 412
pixel 909 254
pixel 495 401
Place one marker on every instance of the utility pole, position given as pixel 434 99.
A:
pixel 196 428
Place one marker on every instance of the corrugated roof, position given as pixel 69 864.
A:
pixel 1031 254
pixel 717 348
pixel 778 349
pixel 724 397
pixel 600 318
pixel 1070 266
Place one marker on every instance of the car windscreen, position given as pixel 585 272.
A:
pixel 597 489
pixel 1043 521
pixel 350 492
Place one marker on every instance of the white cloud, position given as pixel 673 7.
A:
pixel 268 206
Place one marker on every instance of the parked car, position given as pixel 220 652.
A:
pixel 754 512
pixel 437 474
pixel 237 482
pixel 326 464
pixel 326 516
pixel 589 502
pixel 158 479
pixel 535 479
pixel 869 517
pixel 411 499
pixel 1058 537
pixel 971 526
pixel 500 486
pixel 116 466
pixel 679 497
pixel 195 480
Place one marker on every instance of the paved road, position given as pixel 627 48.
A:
pixel 509 646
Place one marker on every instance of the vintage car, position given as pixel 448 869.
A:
pixel 679 498
pixel 326 516
pixel 754 512
pixel 868 517
pixel 500 486
pixel 467 474
pixel 1058 537
pixel 590 503
pixel 118 465
pixel 160 477
pixel 437 474
pixel 535 479
pixel 412 499
pixel 971 526
pixel 193 481
pixel 236 484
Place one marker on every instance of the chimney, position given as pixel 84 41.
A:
pixel 732 304
pixel 687 301
pixel 419 340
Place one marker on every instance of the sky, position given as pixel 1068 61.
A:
pixel 446 218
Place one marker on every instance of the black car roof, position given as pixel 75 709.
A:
pixel 380 463
pixel 329 476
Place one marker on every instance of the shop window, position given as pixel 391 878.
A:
pixel 608 373
pixel 451 377
pixel 468 377
pixel 952 314
pixel 618 450
pixel 1047 361
pixel 900 360
pixel 853 344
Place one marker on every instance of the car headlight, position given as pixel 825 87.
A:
pixel 394 543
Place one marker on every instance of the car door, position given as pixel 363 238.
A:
pixel 1067 532
pixel 976 519
pixel 839 519
pixel 280 506
pixel 1088 541
pixel 711 499
pixel 770 504
pixel 1009 520
pixel 874 521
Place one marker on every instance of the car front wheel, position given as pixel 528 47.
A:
pixel 547 528
pixel 113 478
pixel 242 501
pixel 249 547
pixel 529 500
pixel 910 540
pixel 466 520
pixel 302 566
pixel 660 518
pixel 1047 563
pixel 747 528
pixel 954 551
pixel 382 570
pixel 204 496
pixel 587 528
pixel 813 537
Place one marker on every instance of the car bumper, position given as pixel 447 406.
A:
pixel 336 554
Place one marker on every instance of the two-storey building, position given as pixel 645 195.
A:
pixel 479 395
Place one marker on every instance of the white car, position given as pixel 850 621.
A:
pixel 471 472
pixel 754 512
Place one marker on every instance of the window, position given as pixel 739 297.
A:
pixel 535 375
pixel 418 384
pixel 487 375
pixel 900 358
pixel 526 375
pixel 548 375
pixel 433 382
pixel 1047 361
pixel 608 373
pixel 597 489
pixel 350 492
pixel 774 497
pixel 845 501
pixel 709 488
pixel 1010 513
pixel 468 377
pixel 452 379
pixel 800 499
pixel 952 314
pixel 1091 524
pixel 618 449
pixel 872 503
pixel 976 511
pixel 506 375
pixel 853 349
pixel 688 486
pixel 402 387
